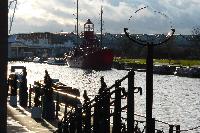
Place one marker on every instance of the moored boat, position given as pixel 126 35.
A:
pixel 37 60
pixel 56 61
pixel 192 72
pixel 90 55
pixel 28 59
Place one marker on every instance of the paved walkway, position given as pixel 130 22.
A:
pixel 13 126
pixel 19 121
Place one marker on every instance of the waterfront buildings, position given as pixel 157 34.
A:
pixel 46 44
pixel 42 44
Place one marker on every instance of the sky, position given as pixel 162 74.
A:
pixel 60 15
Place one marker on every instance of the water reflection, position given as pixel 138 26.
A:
pixel 176 99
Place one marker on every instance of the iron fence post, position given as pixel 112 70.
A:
pixel 78 111
pixel 178 129
pixel 171 128
pixel 57 105
pixel 107 111
pixel 87 118
pixel 117 110
pixel 29 96
pixel 96 115
pixel 130 103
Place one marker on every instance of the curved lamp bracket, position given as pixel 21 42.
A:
pixel 147 43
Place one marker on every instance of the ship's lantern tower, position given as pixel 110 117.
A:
pixel 89 26
pixel 89 32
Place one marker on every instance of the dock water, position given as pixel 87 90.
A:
pixel 139 122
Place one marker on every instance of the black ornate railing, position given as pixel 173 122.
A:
pixel 95 115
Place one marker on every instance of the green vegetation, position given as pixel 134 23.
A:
pixel 131 61
pixel 159 61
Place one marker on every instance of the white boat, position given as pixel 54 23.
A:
pixel 37 60
pixel 56 61
pixel 28 59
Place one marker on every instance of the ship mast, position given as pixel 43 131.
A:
pixel 101 24
pixel 77 22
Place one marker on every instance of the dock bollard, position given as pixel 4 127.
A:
pixel 23 94
pixel 13 90
pixel 48 106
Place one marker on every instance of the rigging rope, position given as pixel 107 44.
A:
pixel 185 130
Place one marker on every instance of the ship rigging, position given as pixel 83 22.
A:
pixel 89 54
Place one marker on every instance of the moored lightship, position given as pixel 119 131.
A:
pixel 89 54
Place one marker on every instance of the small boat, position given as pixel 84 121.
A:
pixel 28 59
pixel 192 72
pixel 164 69
pixel 37 60
pixel 56 61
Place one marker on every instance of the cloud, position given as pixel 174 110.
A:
pixel 54 15
pixel 34 26
pixel 184 14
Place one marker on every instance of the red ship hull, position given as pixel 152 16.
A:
pixel 89 55
pixel 94 59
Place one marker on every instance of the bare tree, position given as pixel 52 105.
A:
pixel 196 37
pixel 196 30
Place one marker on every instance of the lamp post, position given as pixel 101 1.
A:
pixel 149 76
